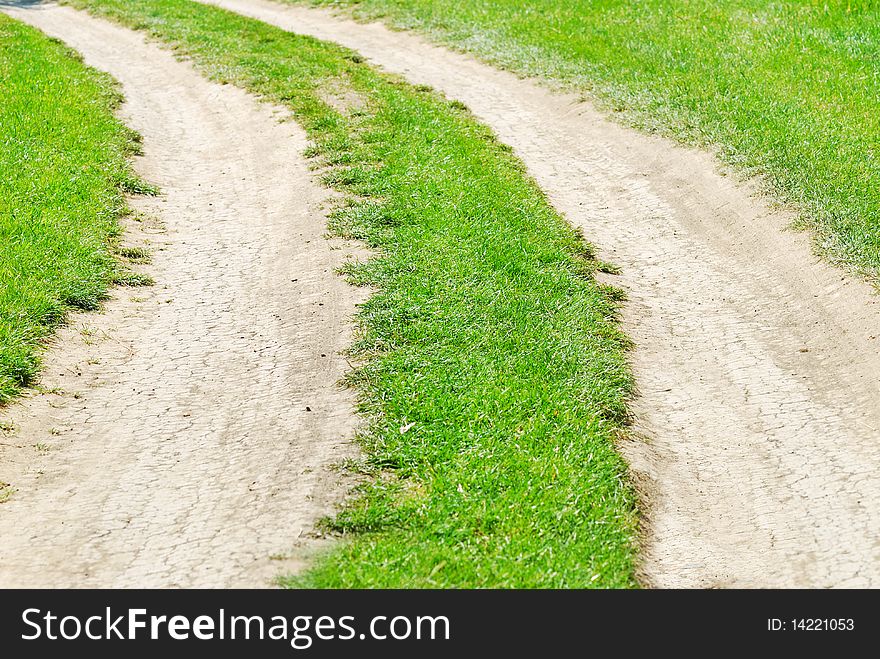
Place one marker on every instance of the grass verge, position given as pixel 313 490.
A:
pixel 788 90
pixel 493 374
pixel 63 158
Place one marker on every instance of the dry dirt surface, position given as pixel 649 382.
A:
pixel 191 434
pixel 756 439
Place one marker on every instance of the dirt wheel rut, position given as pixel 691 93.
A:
pixel 201 416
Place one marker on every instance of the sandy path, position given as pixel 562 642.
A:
pixel 187 456
pixel 758 366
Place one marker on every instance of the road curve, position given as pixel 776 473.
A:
pixel 756 436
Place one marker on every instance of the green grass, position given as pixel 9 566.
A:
pixel 63 170
pixel 493 374
pixel 786 90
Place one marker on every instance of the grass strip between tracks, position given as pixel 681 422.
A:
pixel 493 374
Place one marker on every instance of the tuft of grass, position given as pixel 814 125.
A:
pixel 786 90
pixel 63 158
pixel 129 278
pixel 134 254
pixel 494 377
pixel 6 492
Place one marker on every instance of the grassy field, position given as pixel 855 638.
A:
pixel 64 170
pixel 494 377
pixel 788 90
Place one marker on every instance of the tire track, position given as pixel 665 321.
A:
pixel 757 427
pixel 199 446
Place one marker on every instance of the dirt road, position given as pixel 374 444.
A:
pixel 757 428
pixel 193 442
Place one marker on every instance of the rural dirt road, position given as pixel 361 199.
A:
pixel 200 416
pixel 757 429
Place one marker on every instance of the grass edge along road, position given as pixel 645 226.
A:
pixel 65 170
pixel 785 91
pixel 493 375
